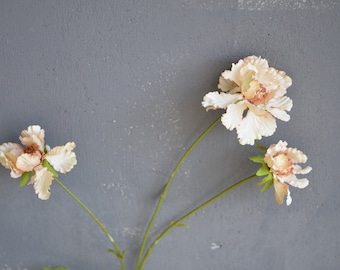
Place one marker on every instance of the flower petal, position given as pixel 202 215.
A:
pixel 296 155
pixel 62 158
pixel 227 85
pixel 233 117
pixel 253 127
pixel 280 191
pixel 277 108
pixel 9 153
pixel 33 135
pixel 292 180
pixel 27 162
pixel 299 170
pixel 215 100
pixel 42 181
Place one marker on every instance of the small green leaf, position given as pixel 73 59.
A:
pixel 268 178
pixel 119 255
pixel 261 147
pixel 24 178
pixel 55 268
pixel 267 182
pixel 49 168
pixel 180 224
pixel 264 170
pixel 257 159
pixel 266 186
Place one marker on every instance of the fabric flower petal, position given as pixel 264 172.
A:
pixel 42 181
pixel 298 170
pixel 27 162
pixel 216 100
pixel 294 181
pixel 62 158
pixel 280 191
pixel 254 127
pixel 233 117
pixel 226 85
pixel 9 153
pixel 33 135
pixel 278 108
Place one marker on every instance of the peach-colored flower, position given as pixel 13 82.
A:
pixel 31 159
pixel 253 95
pixel 282 162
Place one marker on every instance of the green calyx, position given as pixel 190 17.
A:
pixel 267 181
pixel 48 166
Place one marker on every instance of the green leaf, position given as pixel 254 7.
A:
pixel 119 255
pixel 261 147
pixel 257 159
pixel 267 185
pixel 180 224
pixel 267 182
pixel 54 268
pixel 24 178
pixel 49 168
pixel 264 170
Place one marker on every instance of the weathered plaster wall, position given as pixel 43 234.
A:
pixel 124 80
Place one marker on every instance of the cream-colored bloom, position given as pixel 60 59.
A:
pixel 253 95
pixel 282 162
pixel 31 159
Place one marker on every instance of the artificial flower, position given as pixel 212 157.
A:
pixel 280 165
pixel 37 159
pixel 253 95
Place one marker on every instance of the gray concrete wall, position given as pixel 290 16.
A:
pixel 124 80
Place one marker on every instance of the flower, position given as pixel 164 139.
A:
pixel 280 165
pixel 253 95
pixel 37 159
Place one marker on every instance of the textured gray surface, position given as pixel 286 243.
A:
pixel 124 80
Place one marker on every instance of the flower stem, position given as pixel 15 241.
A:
pixel 116 250
pixel 192 212
pixel 166 188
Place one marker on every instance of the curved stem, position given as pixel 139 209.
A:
pixel 192 212
pixel 165 191
pixel 116 251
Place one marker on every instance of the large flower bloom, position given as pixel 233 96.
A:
pixel 36 158
pixel 253 95
pixel 282 162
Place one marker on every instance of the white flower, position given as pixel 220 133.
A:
pixel 253 96
pixel 31 159
pixel 282 162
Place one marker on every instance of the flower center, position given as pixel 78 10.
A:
pixel 282 164
pixel 252 90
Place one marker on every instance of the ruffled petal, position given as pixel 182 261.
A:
pixel 233 117
pixel 9 153
pixel 294 181
pixel 280 191
pixel 27 162
pixel 234 73
pixel 215 100
pixel 296 156
pixel 298 170
pixel 278 107
pixel 33 135
pixel 227 85
pixel 42 181
pixel 62 158
pixel 253 127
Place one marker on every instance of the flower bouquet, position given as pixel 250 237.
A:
pixel 252 95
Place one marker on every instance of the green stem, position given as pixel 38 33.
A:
pixel 116 251
pixel 165 191
pixel 179 221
